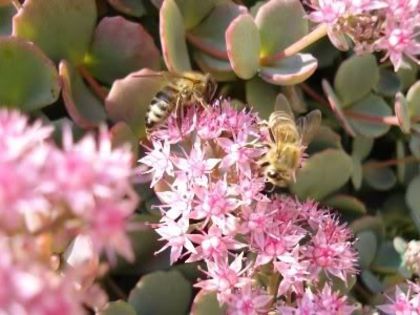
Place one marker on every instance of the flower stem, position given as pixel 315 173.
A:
pixel 392 162
pixel 307 40
pixel 99 90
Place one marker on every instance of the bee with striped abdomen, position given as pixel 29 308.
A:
pixel 179 90
pixel 288 140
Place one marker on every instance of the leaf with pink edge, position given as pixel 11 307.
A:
pixel 243 46
pixel 120 47
pixel 281 23
pixel 401 111
pixel 130 7
pixel 194 11
pixel 172 36
pixel 413 99
pixel 62 29
pixel 205 303
pixel 28 79
pixel 130 97
pixel 209 35
pixel 83 107
pixel 221 70
pixel 261 96
pixel 291 70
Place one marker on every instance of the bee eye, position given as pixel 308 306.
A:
pixel 272 174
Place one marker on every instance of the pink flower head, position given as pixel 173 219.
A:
pixel 404 303
pixel 248 301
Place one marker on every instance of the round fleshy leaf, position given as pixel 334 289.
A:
pixel 356 77
pixel 281 23
pixel 296 99
pixel 82 105
pixel 399 244
pixel 243 46
pixel 122 134
pixel 172 36
pixel 380 178
pixel 370 105
pixel 366 247
pixel 209 35
pixel 161 293
pixel 119 308
pixel 325 138
pixel 387 259
pixel 261 96
pixel 130 97
pixel 28 79
pixel 361 147
pixel 357 174
pixel 370 223
pixel 413 99
pixel 324 52
pixel 336 107
pixel 401 111
pixel 414 145
pixel 407 75
pixel 412 198
pixel 389 83
pixel 6 16
pixel 130 7
pixel 205 303
pixel 62 29
pixel 346 204
pixel 372 282
pixel 120 47
pixel 331 167
pixel 290 71
pixel 219 69
pixel 194 11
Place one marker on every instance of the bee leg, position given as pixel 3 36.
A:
pixel 179 113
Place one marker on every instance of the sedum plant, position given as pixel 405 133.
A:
pixel 99 215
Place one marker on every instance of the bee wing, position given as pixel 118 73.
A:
pixel 308 125
pixel 282 104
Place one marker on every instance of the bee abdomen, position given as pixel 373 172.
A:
pixel 160 107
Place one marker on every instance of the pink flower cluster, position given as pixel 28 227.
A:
pixel 404 303
pixel 391 26
pixel 215 209
pixel 48 196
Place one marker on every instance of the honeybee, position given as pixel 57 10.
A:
pixel 288 140
pixel 179 90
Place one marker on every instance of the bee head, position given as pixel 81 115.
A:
pixel 278 177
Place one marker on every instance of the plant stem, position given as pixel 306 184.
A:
pixel 16 4
pixel 307 40
pixel 392 162
pixel 99 90
pixel 314 94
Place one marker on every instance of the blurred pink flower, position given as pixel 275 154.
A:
pixel 403 303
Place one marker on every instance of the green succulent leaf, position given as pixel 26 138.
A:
pixel 209 35
pixel 369 223
pixel 413 99
pixel 130 7
pixel 28 79
pixel 382 178
pixel 261 96
pixel 62 29
pixel 412 198
pixel 82 105
pixel 281 23
pixel 120 47
pixel 414 145
pixel 401 167
pixel 331 167
pixel 243 46
pixel 407 75
pixel 325 138
pixel 346 204
pixel 361 147
pixel 220 69
pixel 355 78
pixel 371 281
pixel 290 71
pixel 194 11
pixel 130 97
pixel 370 105
pixel 366 246
pixel 205 303
pixel 387 259
pixel 119 308
pixel 172 35
pixel 357 174
pixel 324 52
pixel 401 111
pixel 161 293
pixel 7 12
pixel 389 83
